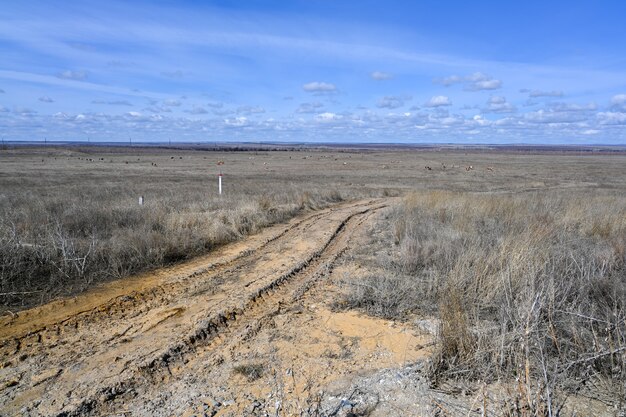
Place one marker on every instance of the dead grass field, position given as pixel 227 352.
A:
pixel 69 217
pixel 528 288
pixel 516 265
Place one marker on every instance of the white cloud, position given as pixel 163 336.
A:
pixel 61 115
pixel 480 121
pixel 590 132
pixel 223 112
pixel 572 107
pixel 392 102
pixel 4 109
pixel 58 81
pixel 448 81
pixel 172 103
pixel 309 107
pixel 327 117
pixel 618 102
pixel 197 110
pixel 474 82
pixel 485 85
pixel 550 116
pixel 248 110
pixel 612 118
pixel 158 109
pixel 618 99
pixel 23 111
pixel 530 103
pixel 455 120
pixel 540 93
pixel 498 104
pixel 438 101
pixel 319 87
pixel 237 121
pixel 481 81
pixel 379 75
pixel 137 117
pixel 46 99
pixel 73 75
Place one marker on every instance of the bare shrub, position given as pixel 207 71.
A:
pixel 456 342
pixel 387 295
pixel 527 287
pixel 252 371
pixel 65 242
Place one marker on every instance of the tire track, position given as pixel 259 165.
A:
pixel 227 328
pixel 137 302
pixel 243 291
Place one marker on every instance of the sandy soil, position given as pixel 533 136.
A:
pixel 179 341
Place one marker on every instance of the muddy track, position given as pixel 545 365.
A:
pixel 16 335
pixel 211 343
pixel 94 360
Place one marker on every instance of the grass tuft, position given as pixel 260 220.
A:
pixel 251 371
pixel 528 288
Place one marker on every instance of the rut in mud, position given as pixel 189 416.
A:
pixel 128 340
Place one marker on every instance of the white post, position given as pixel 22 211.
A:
pixel 141 200
pixel 219 183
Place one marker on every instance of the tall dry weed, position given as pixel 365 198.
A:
pixel 531 287
pixel 68 241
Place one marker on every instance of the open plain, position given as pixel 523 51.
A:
pixel 323 282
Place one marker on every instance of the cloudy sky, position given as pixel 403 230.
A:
pixel 348 71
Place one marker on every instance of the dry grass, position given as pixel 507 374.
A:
pixel 68 243
pixel 528 288
pixel 80 223
pixel 523 264
pixel 69 217
pixel 251 371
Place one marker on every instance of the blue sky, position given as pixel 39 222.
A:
pixel 348 71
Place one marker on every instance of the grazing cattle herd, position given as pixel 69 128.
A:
pixel 468 168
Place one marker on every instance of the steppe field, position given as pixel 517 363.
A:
pixel 323 282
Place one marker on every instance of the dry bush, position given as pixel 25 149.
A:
pixel 529 288
pixel 64 243
pixel 387 295
pixel 252 371
pixel 457 343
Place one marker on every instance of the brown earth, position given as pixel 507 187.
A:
pixel 246 330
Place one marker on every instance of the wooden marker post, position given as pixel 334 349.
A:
pixel 219 178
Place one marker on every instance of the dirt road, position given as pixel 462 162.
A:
pixel 170 341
